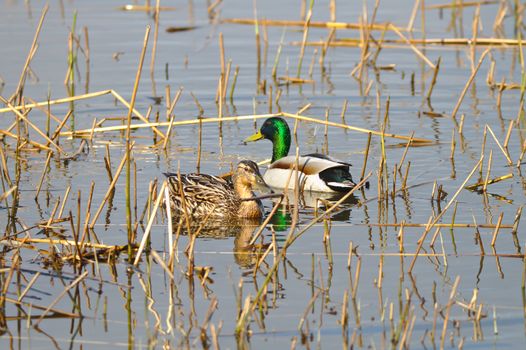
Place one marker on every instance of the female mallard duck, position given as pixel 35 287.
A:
pixel 207 194
pixel 317 172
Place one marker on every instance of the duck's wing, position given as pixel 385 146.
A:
pixel 308 164
pixel 320 173
pixel 202 193
pixel 329 158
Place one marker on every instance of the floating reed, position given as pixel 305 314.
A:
pixel 406 42
pixel 312 24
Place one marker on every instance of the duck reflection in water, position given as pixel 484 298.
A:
pixel 243 229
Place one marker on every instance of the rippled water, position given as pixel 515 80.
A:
pixel 140 308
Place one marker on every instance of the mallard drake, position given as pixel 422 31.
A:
pixel 317 172
pixel 204 194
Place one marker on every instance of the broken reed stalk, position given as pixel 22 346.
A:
pixel 34 45
pixel 329 123
pixel 366 155
pixel 258 46
pixel 172 117
pixel 61 125
pixel 502 149
pixel 169 219
pixel 305 36
pixel 33 126
pixel 312 24
pixel 150 223
pixel 267 220
pixel 136 112
pixel 278 55
pixel 160 261
pixel 437 218
pixel 43 174
pixel 155 35
pixel 485 186
pixel 496 232
pixel 128 138
pixel 59 101
pixel 434 80
pixel 468 83
pixel 413 47
pixel 234 81
pixel 411 22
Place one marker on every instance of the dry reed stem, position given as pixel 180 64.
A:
pixel 496 232
pixel 485 185
pixel 61 125
pixel 179 123
pixel 434 80
pixel 65 242
pixel 160 261
pixel 267 220
pixel 46 165
pixel 155 36
pixel 139 115
pixel 395 43
pixel 313 24
pixel 6 194
pixel 169 219
pixel 413 47
pixel 508 135
pixel 468 83
pixel 29 285
pixel 502 149
pixel 149 226
pixel 343 126
pixel 32 50
pixel 33 143
pixel 434 221
pixel 170 111
pixel 33 126
pixel 234 81
pixel 59 101
pixel 43 109
pixel 411 22
pixel 447 225
pixel 461 4
pixel 366 155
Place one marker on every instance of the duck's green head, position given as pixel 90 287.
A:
pixel 276 130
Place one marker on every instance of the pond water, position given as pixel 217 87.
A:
pixel 143 307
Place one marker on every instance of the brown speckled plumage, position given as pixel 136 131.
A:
pixel 204 194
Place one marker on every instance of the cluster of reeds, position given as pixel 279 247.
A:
pixel 70 236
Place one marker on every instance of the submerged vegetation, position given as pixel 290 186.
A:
pixel 425 250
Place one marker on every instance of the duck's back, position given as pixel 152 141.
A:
pixel 203 194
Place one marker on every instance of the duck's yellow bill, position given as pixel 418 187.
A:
pixel 255 137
